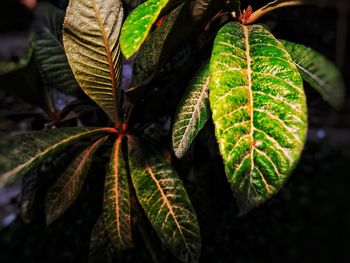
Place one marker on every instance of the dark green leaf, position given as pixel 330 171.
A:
pixel 162 195
pixel 319 72
pixel 49 49
pixel 259 111
pixel 90 36
pixel 101 248
pixel 67 187
pixel 192 113
pixel 116 206
pixel 24 152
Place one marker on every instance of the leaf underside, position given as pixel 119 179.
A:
pixel 116 206
pixel 192 113
pixel 138 24
pixel 19 154
pixel 319 72
pixel 259 111
pixel 67 187
pixel 90 36
pixel 49 51
pixel 164 199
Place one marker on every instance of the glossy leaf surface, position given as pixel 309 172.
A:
pixel 319 72
pixel 21 153
pixel 163 197
pixel 192 113
pixel 90 36
pixel 67 187
pixel 138 24
pixel 49 49
pixel 116 206
pixel 259 111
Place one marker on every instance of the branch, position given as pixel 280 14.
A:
pixel 270 7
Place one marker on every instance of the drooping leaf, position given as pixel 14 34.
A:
pixel 90 36
pixel 66 188
pixel 49 49
pixel 138 24
pixel 116 206
pixel 24 152
pixel 319 72
pixel 192 113
pixel 259 111
pixel 100 245
pixel 162 195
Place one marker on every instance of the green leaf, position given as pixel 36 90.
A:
pixel 90 36
pixel 49 49
pixel 116 206
pixel 101 249
pixel 319 72
pixel 162 195
pixel 138 24
pixel 148 59
pixel 24 152
pixel 67 187
pixel 259 111
pixel 192 113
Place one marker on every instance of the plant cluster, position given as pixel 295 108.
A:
pixel 243 79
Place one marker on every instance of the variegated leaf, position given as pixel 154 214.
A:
pixel 67 187
pixel 19 154
pixel 192 112
pixel 116 206
pixel 259 111
pixel 90 36
pixel 138 24
pixel 163 197
pixel 319 72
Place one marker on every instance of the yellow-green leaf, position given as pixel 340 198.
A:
pixel 67 187
pixel 138 24
pixel 91 41
pixel 116 206
pixel 319 72
pixel 163 197
pixel 19 154
pixel 259 111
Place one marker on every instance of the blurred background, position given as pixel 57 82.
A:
pixel 309 220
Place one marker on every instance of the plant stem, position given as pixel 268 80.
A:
pixel 270 7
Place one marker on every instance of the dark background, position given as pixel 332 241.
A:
pixel 309 220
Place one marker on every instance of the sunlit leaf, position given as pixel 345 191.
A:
pixel 138 24
pixel 21 153
pixel 116 206
pixel 319 72
pixel 90 36
pixel 163 197
pixel 259 111
pixel 66 188
pixel 192 113
pixel 49 49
